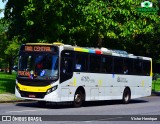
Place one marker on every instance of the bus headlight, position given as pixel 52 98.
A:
pixel 52 89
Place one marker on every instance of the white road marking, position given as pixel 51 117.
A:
pixel 26 110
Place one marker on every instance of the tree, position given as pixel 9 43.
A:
pixel 13 17
pixel 110 23
pixel 11 52
pixel 3 39
pixel 66 20
pixel 9 49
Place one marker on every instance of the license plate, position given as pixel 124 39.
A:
pixel 32 96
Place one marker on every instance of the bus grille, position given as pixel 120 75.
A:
pixel 32 94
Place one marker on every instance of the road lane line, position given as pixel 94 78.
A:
pixel 26 110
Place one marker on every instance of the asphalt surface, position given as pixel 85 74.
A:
pixel 96 112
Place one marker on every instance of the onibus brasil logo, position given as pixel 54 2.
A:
pixel 147 6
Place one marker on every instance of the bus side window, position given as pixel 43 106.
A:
pixel 125 69
pixel 128 66
pixel 107 64
pixel 118 65
pixel 95 63
pixel 81 62
pixel 129 63
pixel 138 67
pixel 146 67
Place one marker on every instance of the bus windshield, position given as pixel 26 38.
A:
pixel 38 66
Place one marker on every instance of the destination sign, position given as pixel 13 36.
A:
pixel 38 49
pixel 24 73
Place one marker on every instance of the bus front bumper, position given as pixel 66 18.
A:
pixel 40 96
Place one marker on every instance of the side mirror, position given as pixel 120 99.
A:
pixel 15 68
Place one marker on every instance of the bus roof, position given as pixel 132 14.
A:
pixel 102 50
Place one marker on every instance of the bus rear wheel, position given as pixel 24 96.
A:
pixel 78 99
pixel 126 96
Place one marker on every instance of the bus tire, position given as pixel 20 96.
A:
pixel 78 99
pixel 126 96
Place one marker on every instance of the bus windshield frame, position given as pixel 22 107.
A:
pixel 38 65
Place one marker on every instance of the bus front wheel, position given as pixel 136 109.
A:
pixel 126 96
pixel 78 99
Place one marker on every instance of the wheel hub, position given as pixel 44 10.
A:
pixel 126 97
pixel 78 98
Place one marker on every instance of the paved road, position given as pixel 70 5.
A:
pixel 144 106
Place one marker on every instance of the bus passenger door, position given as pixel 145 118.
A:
pixel 66 73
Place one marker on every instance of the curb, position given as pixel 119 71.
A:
pixel 14 101
pixel 10 98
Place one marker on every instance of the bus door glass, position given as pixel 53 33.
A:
pixel 66 67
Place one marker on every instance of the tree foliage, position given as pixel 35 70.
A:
pixel 75 20
pixel 8 48
pixel 110 23
pixel 3 40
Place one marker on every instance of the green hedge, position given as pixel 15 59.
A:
pixel 156 85
pixel 7 82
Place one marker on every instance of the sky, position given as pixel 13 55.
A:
pixel 2 5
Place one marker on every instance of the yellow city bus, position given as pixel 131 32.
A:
pixel 64 73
